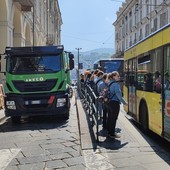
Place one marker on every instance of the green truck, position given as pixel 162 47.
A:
pixel 37 81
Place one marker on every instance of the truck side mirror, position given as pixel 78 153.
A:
pixel 71 61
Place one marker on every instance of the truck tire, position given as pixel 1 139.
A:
pixel 16 119
pixel 66 116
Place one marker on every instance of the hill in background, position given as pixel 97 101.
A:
pixel 89 57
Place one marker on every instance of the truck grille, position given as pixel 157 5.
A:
pixel 34 86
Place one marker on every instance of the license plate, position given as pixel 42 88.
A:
pixel 32 102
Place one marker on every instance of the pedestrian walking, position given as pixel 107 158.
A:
pixel 114 103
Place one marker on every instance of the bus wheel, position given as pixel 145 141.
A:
pixel 16 119
pixel 144 117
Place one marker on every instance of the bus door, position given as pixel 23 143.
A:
pixel 166 98
pixel 132 88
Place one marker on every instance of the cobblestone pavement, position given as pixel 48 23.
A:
pixel 48 144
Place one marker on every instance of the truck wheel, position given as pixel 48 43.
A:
pixel 66 116
pixel 16 119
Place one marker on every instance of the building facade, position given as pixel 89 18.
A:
pixel 29 23
pixel 137 19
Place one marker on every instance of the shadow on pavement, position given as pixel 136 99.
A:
pixel 34 123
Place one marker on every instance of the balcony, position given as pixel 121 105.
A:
pixel 24 5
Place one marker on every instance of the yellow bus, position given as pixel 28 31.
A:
pixel 147 82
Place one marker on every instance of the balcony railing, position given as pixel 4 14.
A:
pixel 25 5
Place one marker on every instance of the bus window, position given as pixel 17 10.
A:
pixel 144 73
pixel 148 82
pixel 126 73
pixel 166 96
pixel 157 69
pixel 167 68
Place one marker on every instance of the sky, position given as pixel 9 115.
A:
pixel 88 24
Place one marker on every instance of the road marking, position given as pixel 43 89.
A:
pixel 6 156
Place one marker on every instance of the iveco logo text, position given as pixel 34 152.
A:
pixel 34 79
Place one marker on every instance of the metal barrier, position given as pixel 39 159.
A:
pixel 91 105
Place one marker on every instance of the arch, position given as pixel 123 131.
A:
pixel 3 34
pixel 3 11
pixel 3 25
pixel 17 31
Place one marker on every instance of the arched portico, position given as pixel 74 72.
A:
pixel 3 26
pixel 17 31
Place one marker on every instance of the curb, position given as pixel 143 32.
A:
pixel 2 115
pixel 83 123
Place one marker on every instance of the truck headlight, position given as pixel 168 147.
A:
pixel 61 102
pixel 10 105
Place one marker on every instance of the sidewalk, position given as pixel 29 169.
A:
pixel 132 151
pixel 2 115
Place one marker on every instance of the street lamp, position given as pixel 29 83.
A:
pixel 78 49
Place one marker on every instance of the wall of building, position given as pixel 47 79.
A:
pixel 138 19
pixel 28 23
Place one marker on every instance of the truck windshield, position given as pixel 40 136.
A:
pixel 34 64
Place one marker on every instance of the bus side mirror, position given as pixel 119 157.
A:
pixel 71 61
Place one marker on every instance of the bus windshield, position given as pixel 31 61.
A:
pixel 112 65
pixel 33 64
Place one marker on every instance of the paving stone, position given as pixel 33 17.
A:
pixel 60 156
pixel 125 162
pixel 117 155
pixel 60 150
pixel 157 166
pixel 12 168
pixel 74 161
pixel 55 164
pixel 33 159
pixel 138 167
pixel 75 153
pixel 76 167
pixel 150 158
pixel 37 166
pixel 6 156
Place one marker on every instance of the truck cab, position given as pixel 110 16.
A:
pixel 37 81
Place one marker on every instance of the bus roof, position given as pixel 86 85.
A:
pixel 108 59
